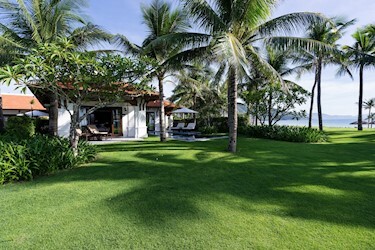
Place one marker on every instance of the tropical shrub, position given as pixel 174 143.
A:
pixel 284 133
pixel 208 130
pixel 23 159
pixel 20 126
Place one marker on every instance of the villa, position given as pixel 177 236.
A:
pixel 18 104
pixel 123 119
pixel 153 118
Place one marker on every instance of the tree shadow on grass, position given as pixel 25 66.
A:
pixel 321 182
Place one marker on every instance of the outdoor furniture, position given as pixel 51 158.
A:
pixel 94 132
pixel 189 127
pixel 80 133
pixel 179 126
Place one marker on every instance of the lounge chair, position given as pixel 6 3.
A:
pixel 189 127
pixel 94 132
pixel 179 126
pixel 80 133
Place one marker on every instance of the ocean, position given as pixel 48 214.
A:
pixel 331 123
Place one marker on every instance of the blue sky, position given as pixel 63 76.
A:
pixel 339 94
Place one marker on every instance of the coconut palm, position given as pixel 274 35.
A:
pixel 328 32
pixel 362 55
pixel 26 23
pixel 280 61
pixel 160 20
pixel 369 104
pixel 198 89
pixel 371 119
pixel 230 31
pixel 1 115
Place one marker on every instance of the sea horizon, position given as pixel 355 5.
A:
pixel 331 123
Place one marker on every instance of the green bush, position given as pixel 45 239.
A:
pixel 20 126
pixel 284 133
pixel 219 123
pixel 208 130
pixel 23 159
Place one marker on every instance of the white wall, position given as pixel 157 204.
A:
pixel 168 120
pixel 63 121
pixel 133 120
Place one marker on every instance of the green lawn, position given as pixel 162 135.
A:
pixel 181 195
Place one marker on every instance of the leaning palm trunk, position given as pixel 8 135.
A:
pixel 53 115
pixel 270 109
pixel 319 97
pixel 232 110
pixel 312 104
pixel 163 136
pixel 369 118
pixel 2 125
pixel 360 102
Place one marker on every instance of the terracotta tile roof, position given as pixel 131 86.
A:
pixel 21 102
pixel 127 88
pixel 156 104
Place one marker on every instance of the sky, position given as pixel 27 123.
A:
pixel 339 95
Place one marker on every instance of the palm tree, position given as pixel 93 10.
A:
pixel 26 23
pixel 362 55
pixel 280 61
pixel 371 119
pixel 1 115
pixel 369 104
pixel 160 20
pixel 230 31
pixel 198 89
pixel 328 32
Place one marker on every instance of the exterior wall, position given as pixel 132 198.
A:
pixel 63 121
pixel 133 119
pixel 168 120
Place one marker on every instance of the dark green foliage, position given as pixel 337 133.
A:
pixel 41 126
pixel 23 159
pixel 20 126
pixel 208 130
pixel 284 133
pixel 217 125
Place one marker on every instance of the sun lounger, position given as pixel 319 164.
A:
pixel 94 132
pixel 179 126
pixel 189 127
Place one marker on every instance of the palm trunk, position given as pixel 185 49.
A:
pixel 369 114
pixel 2 120
pixel 270 108
pixel 248 114
pixel 163 136
pixel 256 106
pixel 312 102
pixel 53 115
pixel 74 125
pixel 319 99
pixel 360 102
pixel 232 111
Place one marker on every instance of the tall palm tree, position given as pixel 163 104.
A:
pixel 198 89
pixel 280 61
pixel 362 55
pixel 1 114
pixel 26 23
pixel 160 20
pixel 230 31
pixel 328 32
pixel 369 104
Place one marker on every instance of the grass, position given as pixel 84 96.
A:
pixel 177 195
